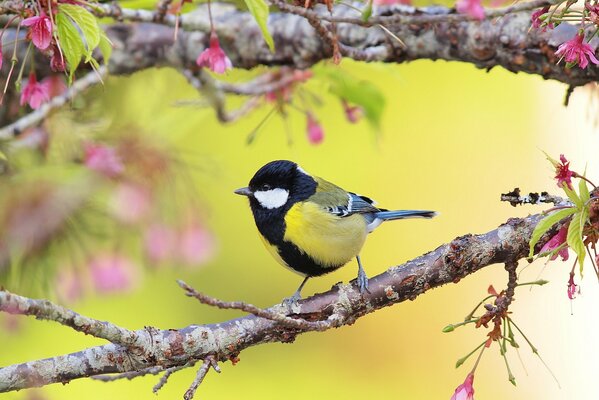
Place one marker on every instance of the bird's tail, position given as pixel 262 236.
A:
pixel 401 214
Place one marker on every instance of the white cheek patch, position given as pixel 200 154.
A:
pixel 273 198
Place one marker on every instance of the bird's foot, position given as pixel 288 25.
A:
pixel 363 282
pixel 362 278
pixel 291 302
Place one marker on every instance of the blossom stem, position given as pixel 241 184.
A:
pixel 22 69
pixel 451 327
pixel 13 62
pixel 471 314
pixel 540 282
pixel 511 377
pixel 532 347
pixel 467 356
pixel 478 358
pixel 210 16
pixel 592 262
pixel 584 178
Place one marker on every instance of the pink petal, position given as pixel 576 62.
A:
pixel 112 273
pixel 196 245
pixel 103 159
pixel 159 242
pixel 130 203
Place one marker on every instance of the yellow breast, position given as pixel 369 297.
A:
pixel 328 239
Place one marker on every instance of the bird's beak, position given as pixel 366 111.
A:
pixel 244 191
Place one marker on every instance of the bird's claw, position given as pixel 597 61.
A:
pixel 363 283
pixel 292 301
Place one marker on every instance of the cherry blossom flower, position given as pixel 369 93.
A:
pixel 112 273
pixel 576 51
pixel 34 93
pixel 472 8
pixel 130 203
pixel 593 12
pixel 103 159
pixel 555 242
pixel 196 244
pixel 159 242
pixel 465 391
pixel 314 129
pixel 563 173
pixel 572 287
pixel 40 30
pixel 214 57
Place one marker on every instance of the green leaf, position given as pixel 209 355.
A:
pixel 545 224
pixel 367 11
pixel 362 93
pixel 87 24
pixel 70 42
pixel 259 10
pixel 574 238
pixel 583 189
pixel 553 161
pixel 105 47
pixel 573 196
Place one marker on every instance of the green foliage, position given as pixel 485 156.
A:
pixel 78 35
pixel 545 224
pixel 575 231
pixel 362 93
pixel 259 10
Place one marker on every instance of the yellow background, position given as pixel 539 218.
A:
pixel 452 139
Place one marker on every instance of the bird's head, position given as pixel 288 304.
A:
pixel 277 184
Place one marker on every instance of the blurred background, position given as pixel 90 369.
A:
pixel 452 138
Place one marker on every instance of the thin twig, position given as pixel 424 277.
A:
pixel 164 378
pixel 37 116
pixel 209 362
pixel 129 375
pixel 259 312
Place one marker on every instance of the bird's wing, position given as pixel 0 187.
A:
pixel 339 202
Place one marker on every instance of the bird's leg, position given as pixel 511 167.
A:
pixel 362 278
pixel 290 301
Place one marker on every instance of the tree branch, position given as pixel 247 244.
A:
pixel 342 305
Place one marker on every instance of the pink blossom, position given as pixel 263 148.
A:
pixel 40 31
pixel 103 159
pixel 214 57
pixel 196 244
pixel 576 51
pixel 471 7
pixel 593 12
pixel 159 242
pixel 313 129
pixel 556 241
pixel 536 20
pixel 572 287
pixel 34 93
pixel 465 391
pixel 112 273
pixel 130 203
pixel 563 173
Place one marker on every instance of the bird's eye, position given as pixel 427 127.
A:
pixel 265 187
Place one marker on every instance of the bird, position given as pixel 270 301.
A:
pixel 313 226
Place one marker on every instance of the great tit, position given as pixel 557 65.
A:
pixel 310 225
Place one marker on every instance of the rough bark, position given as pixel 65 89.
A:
pixel 146 349
pixel 434 33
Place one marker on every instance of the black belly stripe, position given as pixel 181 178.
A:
pixel 301 262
